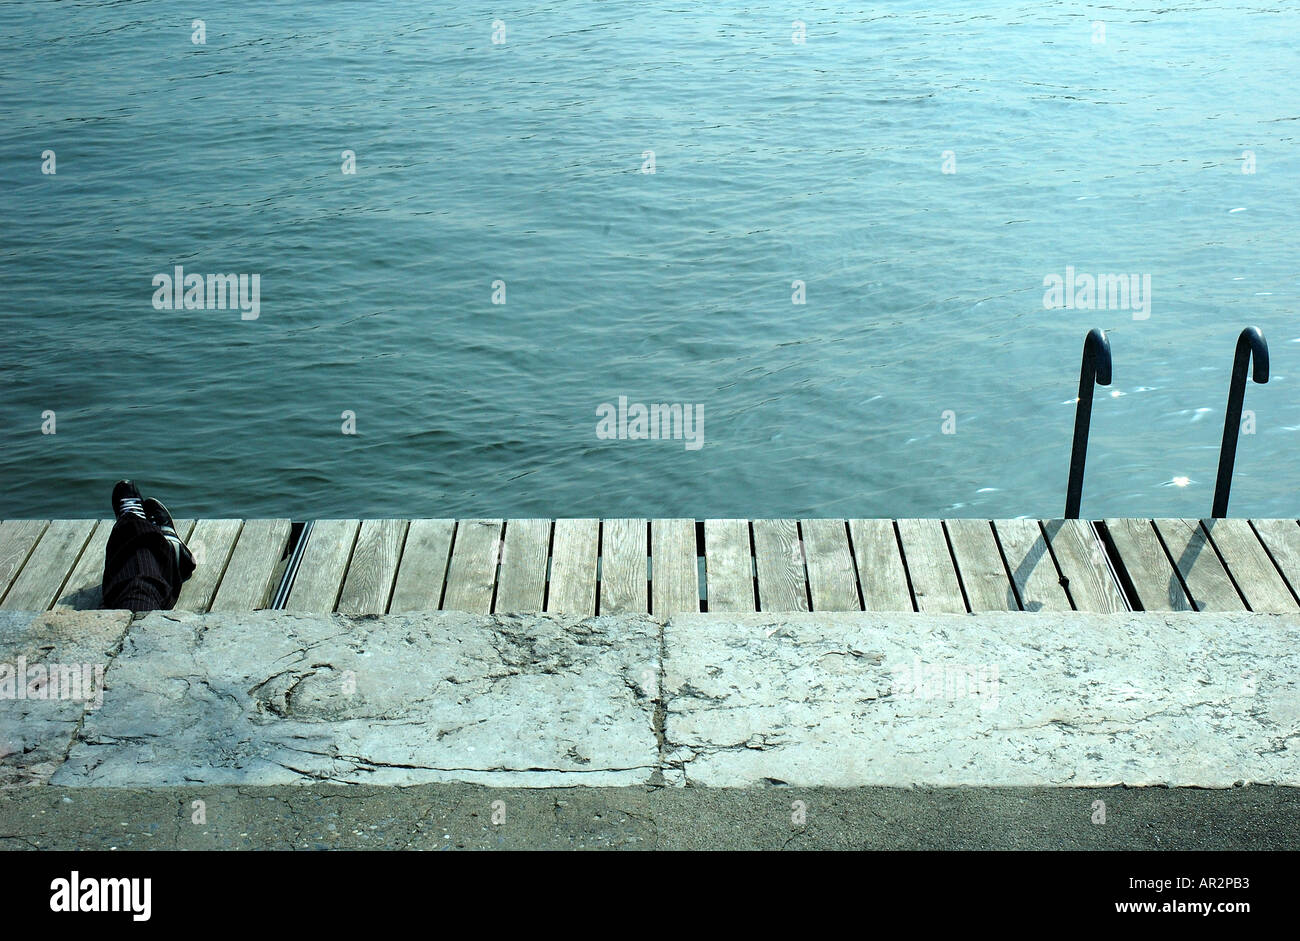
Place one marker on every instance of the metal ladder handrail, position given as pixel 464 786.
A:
pixel 1251 347
pixel 1094 370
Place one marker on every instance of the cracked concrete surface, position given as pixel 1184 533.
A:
pixel 994 700
pixel 281 698
pixel 738 701
pixel 35 733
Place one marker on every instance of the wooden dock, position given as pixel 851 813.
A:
pixel 668 566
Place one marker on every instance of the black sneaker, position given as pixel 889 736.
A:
pixel 127 500
pixel 157 514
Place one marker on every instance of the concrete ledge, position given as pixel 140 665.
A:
pixel 36 730
pixel 280 698
pixel 846 701
pixel 991 700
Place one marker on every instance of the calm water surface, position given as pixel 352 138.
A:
pixel 521 162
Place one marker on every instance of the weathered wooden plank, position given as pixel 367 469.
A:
pixel 522 584
pixel 779 564
pixel 323 565
pixel 48 566
pixel 249 577
pixel 1082 562
pixel 211 543
pixel 573 567
pixel 880 565
pixel 83 591
pixel 369 581
pixel 1148 568
pixel 624 572
pixel 422 571
pixel 930 566
pixel 980 566
pixel 1249 565
pixel 832 579
pixel 1207 581
pixel 728 566
pixel 1032 567
pixel 472 575
pixel 1281 537
pixel 674 572
pixel 17 540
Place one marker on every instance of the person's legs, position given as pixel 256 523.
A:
pixel 143 569
pixel 139 567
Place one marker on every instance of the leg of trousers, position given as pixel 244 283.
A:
pixel 140 568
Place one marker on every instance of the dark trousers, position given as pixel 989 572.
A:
pixel 141 572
